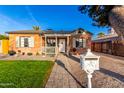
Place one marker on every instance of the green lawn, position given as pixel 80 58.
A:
pixel 24 73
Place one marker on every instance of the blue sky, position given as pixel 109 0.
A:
pixel 14 18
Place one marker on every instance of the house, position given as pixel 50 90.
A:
pixel 110 44
pixel 49 41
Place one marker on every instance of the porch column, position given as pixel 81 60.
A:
pixel 56 48
pixel 56 41
pixel 68 47
pixel 41 46
pixel 74 44
pixel 45 45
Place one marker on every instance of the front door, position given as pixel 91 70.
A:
pixel 61 45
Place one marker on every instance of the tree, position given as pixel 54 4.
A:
pixel 106 16
pixel 116 19
pixel 36 28
pixel 101 34
pixel 98 13
pixel 3 37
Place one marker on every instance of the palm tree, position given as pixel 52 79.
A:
pixel 36 28
pixel 101 34
pixel 106 16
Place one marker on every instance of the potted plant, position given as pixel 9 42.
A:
pixel 11 52
pixel 74 51
pixel 37 53
pixel 29 54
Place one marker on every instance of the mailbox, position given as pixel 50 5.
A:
pixel 89 63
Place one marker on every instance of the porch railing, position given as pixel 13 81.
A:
pixel 49 50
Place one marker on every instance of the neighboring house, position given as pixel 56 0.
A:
pixel 110 44
pixel 4 46
pixel 49 41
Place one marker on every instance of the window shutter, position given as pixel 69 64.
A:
pixel 17 41
pixel 0 46
pixel 74 42
pixel 31 42
pixel 22 41
pixel 84 43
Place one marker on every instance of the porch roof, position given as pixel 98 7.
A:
pixel 58 35
pixel 57 32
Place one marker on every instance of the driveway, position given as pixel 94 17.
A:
pixel 67 73
pixel 110 75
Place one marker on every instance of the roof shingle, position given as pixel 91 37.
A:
pixel 25 32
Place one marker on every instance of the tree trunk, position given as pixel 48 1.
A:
pixel 116 19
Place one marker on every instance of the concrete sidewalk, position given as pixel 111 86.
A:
pixel 26 57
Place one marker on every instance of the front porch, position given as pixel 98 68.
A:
pixel 52 44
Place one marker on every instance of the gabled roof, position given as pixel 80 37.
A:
pixel 81 30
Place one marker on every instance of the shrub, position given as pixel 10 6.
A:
pixel 23 53
pixel 37 53
pixel 43 53
pixel 29 54
pixel 4 37
pixel 74 49
pixel 19 51
pixel 11 52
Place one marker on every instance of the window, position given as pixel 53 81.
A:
pixel 81 43
pixel 84 43
pixel 51 42
pixel 77 43
pixel 26 42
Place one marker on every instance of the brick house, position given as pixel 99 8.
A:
pixel 49 41
pixel 110 44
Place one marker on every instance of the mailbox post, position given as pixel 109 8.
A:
pixel 89 63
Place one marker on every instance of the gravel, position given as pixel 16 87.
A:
pixel 110 75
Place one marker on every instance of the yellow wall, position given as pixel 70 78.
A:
pixel 5 46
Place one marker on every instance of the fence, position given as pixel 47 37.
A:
pixel 4 46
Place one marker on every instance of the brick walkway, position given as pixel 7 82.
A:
pixel 61 76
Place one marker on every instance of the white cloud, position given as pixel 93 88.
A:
pixel 8 24
pixel 31 15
